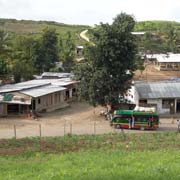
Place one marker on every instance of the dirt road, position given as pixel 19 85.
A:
pixel 79 118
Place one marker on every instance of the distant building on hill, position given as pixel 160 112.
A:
pixel 165 62
pixel 79 50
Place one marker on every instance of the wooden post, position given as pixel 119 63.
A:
pixel 94 127
pixel 15 136
pixel 65 128
pixel 71 128
pixel 114 127
pixel 40 130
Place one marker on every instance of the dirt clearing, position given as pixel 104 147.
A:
pixel 79 118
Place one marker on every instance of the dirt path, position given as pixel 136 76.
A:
pixel 83 35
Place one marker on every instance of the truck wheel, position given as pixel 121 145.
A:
pixel 118 126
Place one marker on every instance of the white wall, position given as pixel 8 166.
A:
pixel 158 103
pixel 133 96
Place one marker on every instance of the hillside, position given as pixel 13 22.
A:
pixel 155 26
pixel 35 27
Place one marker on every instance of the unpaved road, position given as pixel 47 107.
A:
pixel 83 35
pixel 79 118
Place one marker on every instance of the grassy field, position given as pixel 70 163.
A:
pixel 114 156
pixel 36 27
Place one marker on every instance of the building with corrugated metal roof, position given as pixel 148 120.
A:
pixel 163 95
pixel 36 96
pixel 165 62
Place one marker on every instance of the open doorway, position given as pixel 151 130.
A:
pixel 178 106
pixel 13 108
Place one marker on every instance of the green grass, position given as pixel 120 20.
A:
pixel 100 164
pixel 36 27
pixel 114 156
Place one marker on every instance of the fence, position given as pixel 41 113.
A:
pixel 68 128
pixel 43 130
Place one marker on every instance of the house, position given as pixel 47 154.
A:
pixel 166 62
pixel 163 95
pixel 55 75
pixel 36 96
pixel 79 50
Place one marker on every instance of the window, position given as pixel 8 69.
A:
pixel 39 101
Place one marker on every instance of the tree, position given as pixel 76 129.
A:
pixel 22 70
pixel 106 74
pixel 46 50
pixel 67 52
pixel 24 47
pixel 4 53
pixel 22 55
pixel 172 38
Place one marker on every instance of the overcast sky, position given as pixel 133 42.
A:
pixel 89 12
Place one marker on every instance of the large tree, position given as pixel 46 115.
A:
pixel 4 54
pixel 46 50
pixel 106 74
pixel 22 55
pixel 67 52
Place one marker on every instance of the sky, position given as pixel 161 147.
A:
pixel 89 12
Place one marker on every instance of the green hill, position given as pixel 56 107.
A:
pixel 154 26
pixel 35 27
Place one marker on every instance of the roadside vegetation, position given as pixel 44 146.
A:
pixel 110 156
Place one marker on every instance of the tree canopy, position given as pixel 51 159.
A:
pixel 108 68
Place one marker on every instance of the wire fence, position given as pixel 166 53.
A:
pixel 68 128
pixel 43 130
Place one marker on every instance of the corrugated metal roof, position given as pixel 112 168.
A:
pixel 41 91
pixel 169 57
pixel 22 86
pixel 56 74
pixel 155 90
pixel 34 84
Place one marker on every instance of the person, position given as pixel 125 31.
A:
pixel 132 125
pixel 178 124
pixel 151 120
pixel 131 122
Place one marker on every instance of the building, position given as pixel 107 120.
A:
pixel 36 96
pixel 163 95
pixel 55 75
pixel 166 62
pixel 79 50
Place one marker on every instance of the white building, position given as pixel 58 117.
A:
pixel 165 62
pixel 163 95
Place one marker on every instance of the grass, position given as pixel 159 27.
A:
pixel 113 156
pixel 36 27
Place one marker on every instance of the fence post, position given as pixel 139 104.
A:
pixel 40 130
pixel 94 127
pixel 15 136
pixel 114 127
pixel 65 128
pixel 71 128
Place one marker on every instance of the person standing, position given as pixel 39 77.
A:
pixel 130 122
pixel 178 125
pixel 132 125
